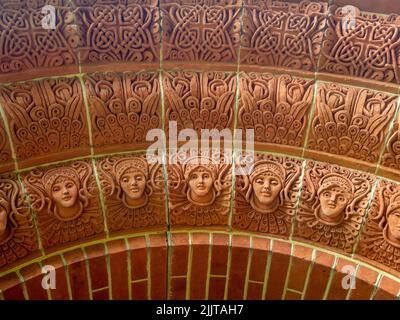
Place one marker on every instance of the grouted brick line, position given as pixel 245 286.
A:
pixel 189 267
pixel 23 284
pixel 331 275
pixel 285 287
pixel 376 286
pixel 4 121
pixel 308 275
pixel 109 276
pixel 129 267
pixel 350 290
pixel 207 287
pixel 88 274
pixel 228 268
pixel 48 291
pixel 67 276
pixel 267 269
pixel 249 259
pixel 148 266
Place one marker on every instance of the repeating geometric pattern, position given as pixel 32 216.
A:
pixel 282 34
pixel 201 30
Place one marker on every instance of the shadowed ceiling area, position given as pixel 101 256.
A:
pixel 84 82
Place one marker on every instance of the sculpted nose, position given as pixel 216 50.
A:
pixel 65 190
pixel 134 182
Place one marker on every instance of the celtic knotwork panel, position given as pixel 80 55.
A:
pixel 17 228
pixel 276 107
pixel 380 240
pixel 46 118
pixel 332 205
pixel 282 34
pixel 123 107
pixel 266 198
pixel 26 46
pixel 350 121
pixel 201 30
pixel 362 45
pixel 133 191
pixel 199 190
pixel 65 198
pixel 119 33
pixel 200 100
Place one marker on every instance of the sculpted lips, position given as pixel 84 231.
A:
pixel 66 198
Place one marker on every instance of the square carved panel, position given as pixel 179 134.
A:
pixel 47 120
pixel 199 190
pixel 283 34
pixel 65 199
pixel 17 228
pixel 275 106
pixel 351 121
pixel 203 30
pixel 119 33
pixel 380 240
pixel 28 48
pixel 134 193
pixel 362 44
pixel 333 203
pixel 266 198
pixel 199 100
pixel 123 107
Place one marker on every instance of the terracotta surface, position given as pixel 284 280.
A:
pixel 318 81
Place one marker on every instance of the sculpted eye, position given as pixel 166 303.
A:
pixel 56 189
pixel 139 178
pixel 125 179
pixel 69 185
pixel 206 176
pixel 274 182
pixel 341 198
pixel 397 214
pixel 259 181
pixel 194 176
pixel 326 194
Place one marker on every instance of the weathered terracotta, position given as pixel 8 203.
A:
pixel 281 34
pixel 265 200
pixel 332 205
pixel 123 107
pixel 134 193
pixel 199 190
pixel 66 201
pixel 47 120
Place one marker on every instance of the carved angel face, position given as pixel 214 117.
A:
pixel 333 202
pixel 200 181
pixel 64 192
pixel 266 189
pixel 133 184
pixel 393 221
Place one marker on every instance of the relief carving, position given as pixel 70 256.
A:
pixel 25 45
pixel 266 198
pixel 201 30
pixel 333 204
pixel 17 230
pixel 5 152
pixel 134 192
pixel 120 33
pixel 200 100
pixel 275 107
pixel 367 47
pixel 351 122
pixel 65 199
pixel 199 191
pixel 123 107
pixel 282 34
pixel 45 117
pixel 380 239
pixel 391 157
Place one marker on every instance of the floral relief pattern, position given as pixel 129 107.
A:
pixel 201 30
pixel 199 191
pixel 134 192
pixel 281 34
pixel 333 204
pixel 391 156
pixel 275 107
pixel 17 230
pixel 265 200
pixel 46 117
pixel 25 45
pixel 380 240
pixel 200 100
pixel 351 122
pixel 367 45
pixel 65 199
pixel 123 107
